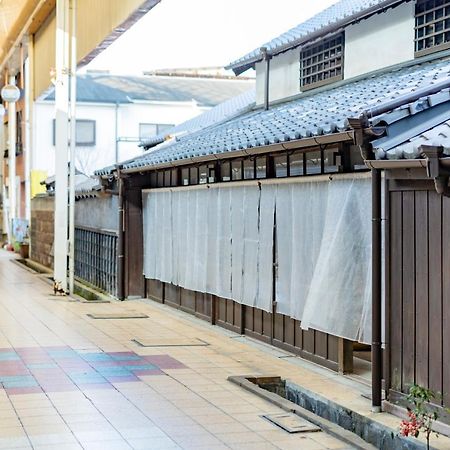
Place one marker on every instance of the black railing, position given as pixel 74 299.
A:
pixel 96 258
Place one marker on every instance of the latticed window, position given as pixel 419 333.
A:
pixel 322 63
pixel 432 25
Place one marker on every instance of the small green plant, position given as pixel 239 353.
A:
pixel 420 415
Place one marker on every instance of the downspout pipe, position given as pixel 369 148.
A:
pixel 441 185
pixel 266 58
pixel 116 132
pixel 120 240
pixel 377 373
pixel 376 353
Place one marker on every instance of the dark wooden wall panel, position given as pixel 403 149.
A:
pixel 134 244
pixel 154 289
pixel 309 340
pixel 280 330
pixel 187 300
pixel 203 304
pixel 257 321
pixel 229 316
pixel 172 294
pixel 267 324
pixel 446 300
pixel 333 348
pixel 279 327
pixel 408 288
pixel 396 269
pixel 298 335
pixel 419 292
pixel 321 347
pixel 435 292
pixel 289 331
pixel 237 309
pixel 421 286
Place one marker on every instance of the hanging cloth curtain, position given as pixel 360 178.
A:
pixel 221 241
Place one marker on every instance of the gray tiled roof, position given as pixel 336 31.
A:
pixel 316 113
pixel 208 92
pixel 436 136
pixel 236 105
pixel 340 13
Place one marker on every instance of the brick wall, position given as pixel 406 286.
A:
pixel 41 230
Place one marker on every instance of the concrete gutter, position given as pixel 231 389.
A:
pixel 361 432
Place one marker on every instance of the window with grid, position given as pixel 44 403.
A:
pixel 148 130
pixel 432 25
pixel 322 63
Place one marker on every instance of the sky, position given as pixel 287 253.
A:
pixel 202 33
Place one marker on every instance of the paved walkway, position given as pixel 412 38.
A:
pixel 71 381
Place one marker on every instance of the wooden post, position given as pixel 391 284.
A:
pixel 345 356
pixel 213 309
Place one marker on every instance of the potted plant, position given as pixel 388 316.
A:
pixel 24 249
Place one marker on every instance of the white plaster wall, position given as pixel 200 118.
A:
pixel 131 115
pixel 43 151
pixel 380 41
pixel 284 76
pixel 103 153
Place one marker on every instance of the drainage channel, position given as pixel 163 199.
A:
pixel 358 431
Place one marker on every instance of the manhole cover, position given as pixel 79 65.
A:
pixel 291 423
pixel 118 316
pixel 170 342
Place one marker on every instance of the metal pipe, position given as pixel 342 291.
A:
pixel 28 117
pixel 376 291
pixel 266 58
pixel 73 141
pixel 12 134
pixel 120 241
pixel 3 228
pixel 116 133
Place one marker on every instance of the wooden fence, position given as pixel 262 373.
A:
pixel 418 291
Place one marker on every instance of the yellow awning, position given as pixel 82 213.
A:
pixel 100 22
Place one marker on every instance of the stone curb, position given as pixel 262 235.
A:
pixel 344 424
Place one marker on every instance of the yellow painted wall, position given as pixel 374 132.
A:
pixel 36 177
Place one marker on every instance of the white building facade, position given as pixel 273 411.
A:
pixel 112 122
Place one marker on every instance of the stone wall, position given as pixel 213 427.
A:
pixel 99 213
pixel 41 230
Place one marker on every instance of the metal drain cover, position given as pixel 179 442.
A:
pixel 170 342
pixel 95 301
pixel 291 423
pixel 131 315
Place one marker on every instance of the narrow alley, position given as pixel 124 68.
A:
pixel 71 381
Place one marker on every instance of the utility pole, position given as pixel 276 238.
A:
pixel 12 133
pixel 28 114
pixel 73 142
pixel 2 175
pixel 61 141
